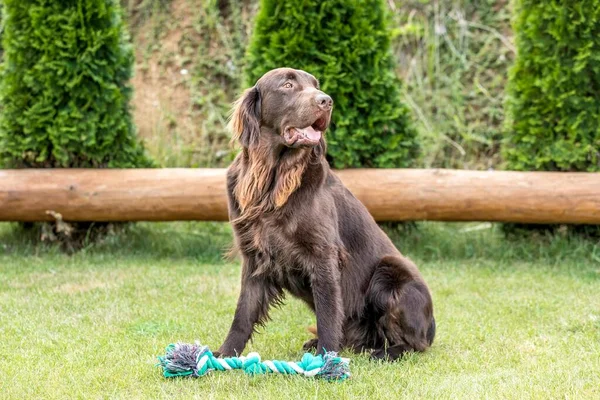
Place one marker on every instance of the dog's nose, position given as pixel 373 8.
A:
pixel 324 102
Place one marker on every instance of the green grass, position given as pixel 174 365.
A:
pixel 515 319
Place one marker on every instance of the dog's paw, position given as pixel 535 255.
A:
pixel 223 354
pixel 310 345
pixel 378 354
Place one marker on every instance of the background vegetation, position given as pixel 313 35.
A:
pixel 346 45
pixel 65 87
pixel 188 72
pixel 453 56
pixel 553 100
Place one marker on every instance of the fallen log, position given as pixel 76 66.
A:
pixel 389 194
pixel 113 194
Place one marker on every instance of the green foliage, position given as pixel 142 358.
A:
pixel 144 8
pixel 141 11
pixel 220 43
pixel 190 128
pixel 64 88
pixel 453 56
pixel 554 91
pixel 346 44
pixel 1 28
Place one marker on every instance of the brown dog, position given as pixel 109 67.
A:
pixel 300 230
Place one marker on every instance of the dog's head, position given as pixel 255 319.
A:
pixel 288 104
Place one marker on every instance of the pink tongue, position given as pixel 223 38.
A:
pixel 311 133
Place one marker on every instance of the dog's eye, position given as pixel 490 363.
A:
pixel 288 85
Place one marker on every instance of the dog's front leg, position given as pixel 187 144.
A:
pixel 256 296
pixel 327 296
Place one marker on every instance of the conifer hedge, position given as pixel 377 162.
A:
pixel 346 45
pixel 553 102
pixel 65 86
pixel 553 99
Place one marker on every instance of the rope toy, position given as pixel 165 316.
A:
pixel 195 360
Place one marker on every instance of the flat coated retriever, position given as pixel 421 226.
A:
pixel 299 229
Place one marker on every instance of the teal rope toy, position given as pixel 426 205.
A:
pixel 195 360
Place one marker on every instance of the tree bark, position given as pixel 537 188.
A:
pixel 389 194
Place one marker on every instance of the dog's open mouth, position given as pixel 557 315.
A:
pixel 309 136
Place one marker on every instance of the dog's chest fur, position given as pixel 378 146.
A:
pixel 286 242
pixel 270 243
pixel 288 250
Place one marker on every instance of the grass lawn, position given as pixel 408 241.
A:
pixel 516 319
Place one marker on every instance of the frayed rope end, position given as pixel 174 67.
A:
pixel 334 367
pixel 181 360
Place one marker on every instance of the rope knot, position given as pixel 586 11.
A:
pixel 253 366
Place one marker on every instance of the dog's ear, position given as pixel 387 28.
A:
pixel 245 118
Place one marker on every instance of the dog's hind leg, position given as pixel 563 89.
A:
pixel 401 299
